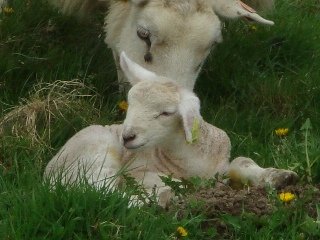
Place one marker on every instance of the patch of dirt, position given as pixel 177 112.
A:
pixel 255 201
pixel 223 199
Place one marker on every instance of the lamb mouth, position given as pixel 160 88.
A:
pixel 128 146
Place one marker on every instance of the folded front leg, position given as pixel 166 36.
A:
pixel 93 155
pixel 154 185
pixel 244 170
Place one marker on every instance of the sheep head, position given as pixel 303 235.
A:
pixel 158 108
pixel 174 37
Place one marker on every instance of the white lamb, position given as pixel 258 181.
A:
pixel 163 134
pixel 169 37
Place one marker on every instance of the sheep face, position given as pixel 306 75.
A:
pixel 158 108
pixel 171 38
pixel 152 115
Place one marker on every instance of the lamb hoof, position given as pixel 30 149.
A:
pixel 279 178
pixel 164 197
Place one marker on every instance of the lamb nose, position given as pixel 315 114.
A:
pixel 128 138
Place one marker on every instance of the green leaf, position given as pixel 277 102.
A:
pixel 311 226
pixel 307 125
pixel 232 220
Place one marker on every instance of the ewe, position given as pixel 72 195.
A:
pixel 163 134
pixel 169 37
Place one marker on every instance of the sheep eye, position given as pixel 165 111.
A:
pixel 143 33
pixel 164 114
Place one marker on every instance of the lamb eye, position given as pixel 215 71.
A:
pixel 143 33
pixel 164 114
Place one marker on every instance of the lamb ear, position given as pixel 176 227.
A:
pixel 134 72
pixel 189 109
pixel 237 9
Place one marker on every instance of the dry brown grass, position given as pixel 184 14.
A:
pixel 47 102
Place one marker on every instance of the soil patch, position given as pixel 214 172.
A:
pixel 256 201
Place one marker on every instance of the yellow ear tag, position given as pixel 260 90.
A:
pixel 195 130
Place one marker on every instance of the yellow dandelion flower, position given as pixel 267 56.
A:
pixel 281 132
pixel 123 106
pixel 253 28
pixel 286 197
pixel 8 10
pixel 182 231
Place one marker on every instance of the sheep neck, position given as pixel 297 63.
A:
pixel 178 148
pixel 176 156
pixel 207 156
pixel 204 158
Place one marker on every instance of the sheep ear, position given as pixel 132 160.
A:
pixel 134 72
pixel 237 9
pixel 189 109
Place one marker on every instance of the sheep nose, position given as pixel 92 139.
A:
pixel 128 137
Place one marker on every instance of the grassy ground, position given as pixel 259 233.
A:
pixel 57 76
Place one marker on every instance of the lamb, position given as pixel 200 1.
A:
pixel 163 134
pixel 169 37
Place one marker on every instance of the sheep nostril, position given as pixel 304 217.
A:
pixel 128 138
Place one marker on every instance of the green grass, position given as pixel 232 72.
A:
pixel 254 82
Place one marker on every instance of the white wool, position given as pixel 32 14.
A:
pixel 163 135
pixel 180 33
